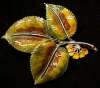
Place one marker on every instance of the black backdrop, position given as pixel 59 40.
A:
pixel 14 65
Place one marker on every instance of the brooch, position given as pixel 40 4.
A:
pixel 49 41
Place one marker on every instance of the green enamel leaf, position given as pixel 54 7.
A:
pixel 26 33
pixel 43 67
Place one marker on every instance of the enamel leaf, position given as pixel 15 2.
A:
pixel 61 21
pixel 26 33
pixel 48 62
pixel 43 40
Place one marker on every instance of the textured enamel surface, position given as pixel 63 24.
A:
pixel 59 21
pixel 21 34
pixel 47 42
pixel 40 58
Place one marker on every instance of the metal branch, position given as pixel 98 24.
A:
pixel 81 43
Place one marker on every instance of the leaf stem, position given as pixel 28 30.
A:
pixel 81 43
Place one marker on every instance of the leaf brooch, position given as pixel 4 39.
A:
pixel 48 41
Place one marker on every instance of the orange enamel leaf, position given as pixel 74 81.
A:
pixel 76 56
pixel 61 22
pixel 76 51
pixel 85 51
pixel 26 33
pixel 82 55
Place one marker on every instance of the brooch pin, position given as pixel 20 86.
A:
pixel 48 41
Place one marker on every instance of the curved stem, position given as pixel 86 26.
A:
pixel 81 43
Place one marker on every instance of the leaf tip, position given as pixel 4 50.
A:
pixel 4 37
pixel 95 49
pixel 37 81
pixel 46 4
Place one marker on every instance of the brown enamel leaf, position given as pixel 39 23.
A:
pixel 26 33
pixel 42 68
pixel 61 22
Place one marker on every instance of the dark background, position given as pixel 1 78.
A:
pixel 14 65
